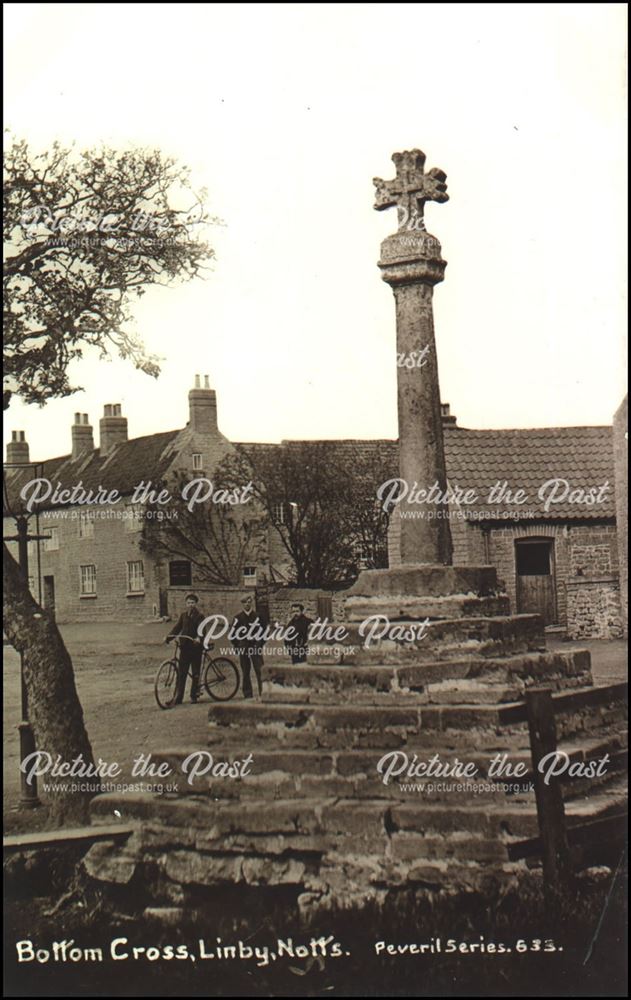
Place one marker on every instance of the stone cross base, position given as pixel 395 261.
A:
pixel 313 824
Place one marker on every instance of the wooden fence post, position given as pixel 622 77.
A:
pixel 550 809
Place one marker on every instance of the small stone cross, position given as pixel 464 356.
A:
pixel 410 189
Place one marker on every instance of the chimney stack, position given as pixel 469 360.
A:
pixel 202 404
pixel 17 449
pixel 447 418
pixel 82 438
pixel 112 428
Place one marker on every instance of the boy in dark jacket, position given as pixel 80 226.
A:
pixel 250 650
pixel 298 638
pixel 191 648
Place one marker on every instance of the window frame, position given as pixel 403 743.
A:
pixel 181 562
pixel 248 577
pixel 134 519
pixel 87 593
pixel 53 537
pixel 85 519
pixel 131 591
pixel 281 510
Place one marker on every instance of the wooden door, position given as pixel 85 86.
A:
pixel 535 579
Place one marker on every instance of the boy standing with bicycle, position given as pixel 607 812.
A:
pixel 191 649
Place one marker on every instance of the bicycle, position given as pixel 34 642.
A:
pixel 218 676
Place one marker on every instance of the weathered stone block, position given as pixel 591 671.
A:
pixel 423 579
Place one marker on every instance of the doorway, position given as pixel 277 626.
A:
pixel 49 594
pixel 535 578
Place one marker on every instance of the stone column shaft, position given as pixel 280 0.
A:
pixel 421 448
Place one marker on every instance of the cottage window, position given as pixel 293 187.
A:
pixel 198 462
pixel 135 577
pixel 249 576
pixel 86 524
pixel 52 542
pixel 134 514
pixel 88 580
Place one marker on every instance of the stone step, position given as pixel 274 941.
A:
pixel 359 773
pixel 407 607
pixel 332 824
pixel 448 639
pixel 505 678
pixel 274 726
pixel 425 579
pixel 316 824
pixel 260 726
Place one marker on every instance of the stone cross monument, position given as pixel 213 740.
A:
pixel 412 264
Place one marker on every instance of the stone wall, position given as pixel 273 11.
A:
pixel 280 602
pixel 593 608
pixel 582 552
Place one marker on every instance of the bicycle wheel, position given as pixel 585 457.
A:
pixel 221 679
pixel 165 685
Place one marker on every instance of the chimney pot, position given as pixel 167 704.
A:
pixel 203 407
pixel 82 437
pixel 112 428
pixel 18 449
pixel 448 420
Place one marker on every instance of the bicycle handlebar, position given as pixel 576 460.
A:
pixel 178 638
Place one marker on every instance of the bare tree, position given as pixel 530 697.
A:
pixel 320 497
pixel 85 234
pixel 218 539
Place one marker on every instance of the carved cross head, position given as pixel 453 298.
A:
pixel 410 189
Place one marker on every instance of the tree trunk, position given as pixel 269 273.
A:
pixel 54 708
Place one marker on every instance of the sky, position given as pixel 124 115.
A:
pixel 285 113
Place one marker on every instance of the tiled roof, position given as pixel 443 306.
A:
pixel 524 459
pixel 476 460
pixel 123 469
pixel 528 459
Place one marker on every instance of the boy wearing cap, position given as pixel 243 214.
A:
pixel 191 648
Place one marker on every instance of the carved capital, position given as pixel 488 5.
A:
pixel 412 257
